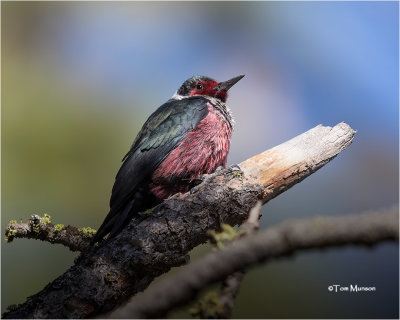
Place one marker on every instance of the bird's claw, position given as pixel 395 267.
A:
pixel 235 167
pixel 193 190
pixel 232 169
pixel 229 170
pixel 195 184
pixel 197 181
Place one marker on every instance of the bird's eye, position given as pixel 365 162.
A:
pixel 199 86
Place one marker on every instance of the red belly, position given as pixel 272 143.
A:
pixel 202 151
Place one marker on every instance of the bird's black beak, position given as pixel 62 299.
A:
pixel 226 85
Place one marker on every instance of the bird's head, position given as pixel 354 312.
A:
pixel 201 85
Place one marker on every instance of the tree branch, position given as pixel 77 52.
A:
pixel 105 277
pixel 278 241
pixel 214 306
pixel 42 229
pixel 231 284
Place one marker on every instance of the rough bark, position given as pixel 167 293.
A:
pixel 104 277
pixel 278 241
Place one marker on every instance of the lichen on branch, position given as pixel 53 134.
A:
pixel 41 228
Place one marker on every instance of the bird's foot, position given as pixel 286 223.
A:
pixel 235 167
pixel 229 170
pixel 196 181
pixel 194 189
pixel 232 169
pixel 195 184
pixel 235 171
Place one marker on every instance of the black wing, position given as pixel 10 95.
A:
pixel 160 134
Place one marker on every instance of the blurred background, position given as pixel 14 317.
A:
pixel 80 78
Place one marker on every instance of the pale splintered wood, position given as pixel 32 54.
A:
pixel 277 169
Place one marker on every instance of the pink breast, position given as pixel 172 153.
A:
pixel 203 150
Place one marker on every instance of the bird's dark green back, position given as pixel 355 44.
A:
pixel 160 134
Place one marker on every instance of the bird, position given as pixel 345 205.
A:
pixel 186 137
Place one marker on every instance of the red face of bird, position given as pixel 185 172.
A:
pixel 201 85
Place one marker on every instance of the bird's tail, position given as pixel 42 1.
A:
pixel 114 222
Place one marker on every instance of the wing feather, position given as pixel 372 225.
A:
pixel 160 134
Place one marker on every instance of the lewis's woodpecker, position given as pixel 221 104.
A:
pixel 186 137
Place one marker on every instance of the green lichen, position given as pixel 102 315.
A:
pixel 8 238
pixel 45 219
pixel 219 238
pixel 207 308
pixel 11 232
pixel 148 211
pixel 12 222
pixel 36 228
pixel 237 174
pixel 111 276
pixel 58 227
pixel 87 231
